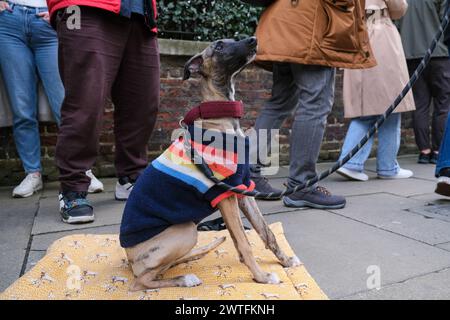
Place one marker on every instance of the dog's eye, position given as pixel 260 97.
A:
pixel 219 46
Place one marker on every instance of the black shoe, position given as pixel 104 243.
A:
pixel 75 208
pixel 434 157
pixel 424 158
pixel 319 198
pixel 262 185
pixel 443 184
pixel 214 225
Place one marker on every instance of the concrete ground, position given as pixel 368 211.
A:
pixel 399 230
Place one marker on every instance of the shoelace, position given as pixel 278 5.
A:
pixel 323 190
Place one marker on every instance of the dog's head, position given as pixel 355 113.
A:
pixel 221 61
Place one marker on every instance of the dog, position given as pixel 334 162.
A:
pixel 158 229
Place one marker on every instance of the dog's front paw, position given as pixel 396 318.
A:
pixel 293 261
pixel 269 278
pixel 191 280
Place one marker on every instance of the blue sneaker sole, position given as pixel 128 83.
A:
pixel 306 204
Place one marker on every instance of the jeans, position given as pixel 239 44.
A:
pixel 28 51
pixel 308 91
pixel 444 153
pixel 388 144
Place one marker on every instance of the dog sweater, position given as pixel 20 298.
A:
pixel 172 190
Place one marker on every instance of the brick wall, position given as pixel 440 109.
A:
pixel 253 87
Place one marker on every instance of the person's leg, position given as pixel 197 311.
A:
pixel 135 94
pixel 444 152
pixel 316 94
pixel 89 59
pixel 388 145
pixel 356 131
pixel 443 164
pixel 283 101
pixel 440 85
pixel 18 70
pixel 44 43
pixel 316 97
pixel 421 117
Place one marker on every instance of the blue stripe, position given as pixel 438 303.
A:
pixel 201 187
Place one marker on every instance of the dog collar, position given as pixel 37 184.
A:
pixel 215 109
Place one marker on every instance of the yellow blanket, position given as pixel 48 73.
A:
pixel 87 266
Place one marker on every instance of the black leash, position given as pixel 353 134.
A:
pixel 203 167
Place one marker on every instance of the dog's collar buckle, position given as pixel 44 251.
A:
pixel 214 109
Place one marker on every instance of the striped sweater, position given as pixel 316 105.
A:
pixel 171 190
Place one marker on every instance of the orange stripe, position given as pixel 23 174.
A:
pixel 228 194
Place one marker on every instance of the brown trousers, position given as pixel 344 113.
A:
pixel 109 55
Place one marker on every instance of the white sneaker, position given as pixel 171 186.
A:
pixel 352 174
pixel 28 186
pixel 402 174
pixel 123 189
pixel 96 185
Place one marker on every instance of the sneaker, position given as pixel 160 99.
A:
pixel 401 174
pixel 443 183
pixel 352 174
pixel 75 208
pixel 28 186
pixel 262 185
pixel 123 188
pixel 318 198
pixel 434 157
pixel 424 158
pixel 96 185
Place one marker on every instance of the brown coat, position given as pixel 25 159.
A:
pixel 370 92
pixel 315 32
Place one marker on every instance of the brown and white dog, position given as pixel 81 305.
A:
pixel 218 66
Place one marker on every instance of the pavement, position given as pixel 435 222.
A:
pixel 391 241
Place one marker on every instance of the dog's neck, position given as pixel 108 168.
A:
pixel 221 89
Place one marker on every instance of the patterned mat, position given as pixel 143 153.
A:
pixel 86 266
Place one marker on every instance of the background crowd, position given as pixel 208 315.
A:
pixel 115 53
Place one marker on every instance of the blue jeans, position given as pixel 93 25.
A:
pixel 29 51
pixel 444 152
pixel 388 144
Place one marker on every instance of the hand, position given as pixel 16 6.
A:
pixel 4 6
pixel 44 15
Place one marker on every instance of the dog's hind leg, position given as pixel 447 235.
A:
pixel 230 212
pixel 200 252
pixel 150 259
pixel 251 211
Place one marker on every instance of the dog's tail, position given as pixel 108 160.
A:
pixel 199 253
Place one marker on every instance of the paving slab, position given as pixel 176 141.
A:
pixel 445 246
pixel 396 216
pixel 43 241
pixel 16 220
pixel 337 251
pixel 10 266
pixel 33 259
pixel 433 206
pixel 107 210
pixel 434 286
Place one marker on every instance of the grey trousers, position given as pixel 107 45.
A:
pixel 307 91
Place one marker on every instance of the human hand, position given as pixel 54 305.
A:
pixel 44 15
pixel 4 6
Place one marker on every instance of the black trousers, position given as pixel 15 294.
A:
pixel 434 84
pixel 109 55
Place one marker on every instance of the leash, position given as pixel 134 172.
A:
pixel 203 167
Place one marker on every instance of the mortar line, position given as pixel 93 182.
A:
pixel 386 230
pixel 82 228
pixel 30 239
pixel 397 282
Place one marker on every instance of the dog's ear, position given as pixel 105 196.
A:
pixel 193 66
